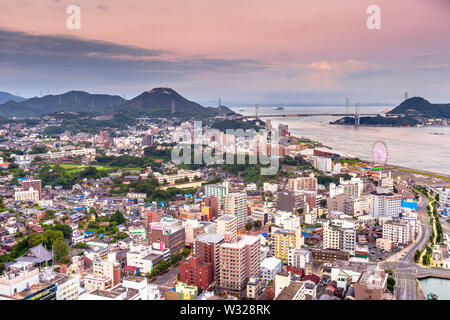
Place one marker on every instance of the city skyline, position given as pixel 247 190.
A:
pixel 255 52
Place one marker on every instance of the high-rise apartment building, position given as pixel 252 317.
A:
pixel 236 204
pixel 227 226
pixel 216 190
pixel 207 247
pixel 398 231
pixel 284 239
pixel 239 262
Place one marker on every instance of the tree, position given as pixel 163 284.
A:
pixel 417 256
pixel 249 226
pixel 61 250
pixel 65 229
pixel 81 245
pixel 186 252
pixel 50 236
pixel 34 239
pixel 117 217
pixel 38 150
pixel 323 202
pixel 390 283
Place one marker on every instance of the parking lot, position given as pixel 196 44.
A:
pixel 377 254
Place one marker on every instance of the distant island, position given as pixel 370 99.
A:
pixel 279 108
pixel 412 112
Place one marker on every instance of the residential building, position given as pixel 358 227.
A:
pixel 303 183
pixel 239 262
pixel 398 231
pixel 216 190
pixel 298 258
pixel 207 246
pixel 236 204
pixel 227 225
pixel 283 239
pixel 194 271
pixel 269 268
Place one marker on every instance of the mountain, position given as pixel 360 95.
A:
pixel 5 97
pixel 75 101
pixel 419 105
pixel 160 102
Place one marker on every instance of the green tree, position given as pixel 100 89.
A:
pixel 50 236
pixel 34 239
pixel 117 217
pixel 186 252
pixel 65 229
pixel 81 245
pixel 61 250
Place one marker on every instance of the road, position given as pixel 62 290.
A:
pixel 167 280
pixel 406 269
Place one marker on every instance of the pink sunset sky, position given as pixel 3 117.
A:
pixel 243 51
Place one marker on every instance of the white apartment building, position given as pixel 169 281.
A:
pixel 348 239
pixel 108 267
pixel 67 287
pixel 444 197
pixel 331 236
pixel 227 225
pixel 399 232
pixel 181 174
pixel 287 220
pixel 269 268
pixel 385 204
pixel 30 195
pixel 353 187
pixel 143 257
pixel 217 191
pixel 298 258
pixel 236 204
pixel 260 214
pixel 270 187
pixel 323 164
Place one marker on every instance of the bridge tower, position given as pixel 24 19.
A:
pixel 357 106
pixel 257 112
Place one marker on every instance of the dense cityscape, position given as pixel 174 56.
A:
pixel 211 159
pixel 109 216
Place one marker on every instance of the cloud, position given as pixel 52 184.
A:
pixel 61 61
